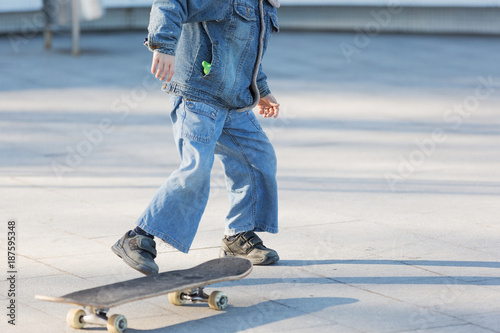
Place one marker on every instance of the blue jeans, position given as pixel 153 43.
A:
pixel 201 132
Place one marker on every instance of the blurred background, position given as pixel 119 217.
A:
pixel 430 16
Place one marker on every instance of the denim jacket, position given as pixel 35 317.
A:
pixel 231 35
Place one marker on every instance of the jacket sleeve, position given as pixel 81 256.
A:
pixel 262 83
pixel 167 17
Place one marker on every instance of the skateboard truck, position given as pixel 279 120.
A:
pixel 77 318
pixel 196 295
pixel 217 300
pixel 96 317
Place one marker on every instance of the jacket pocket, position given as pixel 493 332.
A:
pixel 274 23
pixel 209 54
pixel 243 22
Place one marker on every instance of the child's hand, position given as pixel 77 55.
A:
pixel 268 106
pixel 163 65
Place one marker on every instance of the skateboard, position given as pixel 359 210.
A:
pixel 180 285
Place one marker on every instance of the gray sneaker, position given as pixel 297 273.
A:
pixel 138 252
pixel 249 246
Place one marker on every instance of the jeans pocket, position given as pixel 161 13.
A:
pixel 198 121
pixel 253 120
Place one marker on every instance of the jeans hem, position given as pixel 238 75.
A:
pixel 257 228
pixel 265 228
pixel 165 238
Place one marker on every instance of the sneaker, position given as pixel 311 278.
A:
pixel 249 246
pixel 138 252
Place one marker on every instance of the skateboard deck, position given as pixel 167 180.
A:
pixel 180 285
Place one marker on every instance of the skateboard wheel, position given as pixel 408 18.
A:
pixel 117 324
pixel 74 318
pixel 176 298
pixel 217 300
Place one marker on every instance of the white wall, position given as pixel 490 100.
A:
pixel 126 3
pixel 417 3
pixel 20 5
pixel 32 5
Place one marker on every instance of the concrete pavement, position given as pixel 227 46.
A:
pixel 389 175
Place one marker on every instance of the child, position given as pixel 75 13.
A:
pixel 216 47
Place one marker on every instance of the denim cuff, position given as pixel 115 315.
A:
pixel 160 47
pixel 263 89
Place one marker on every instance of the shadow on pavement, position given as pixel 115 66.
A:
pixel 377 280
pixel 237 319
pixel 441 263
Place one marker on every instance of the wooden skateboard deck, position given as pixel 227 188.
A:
pixel 181 285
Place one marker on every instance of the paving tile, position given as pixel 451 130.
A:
pixel 28 268
pixel 487 320
pixel 467 328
